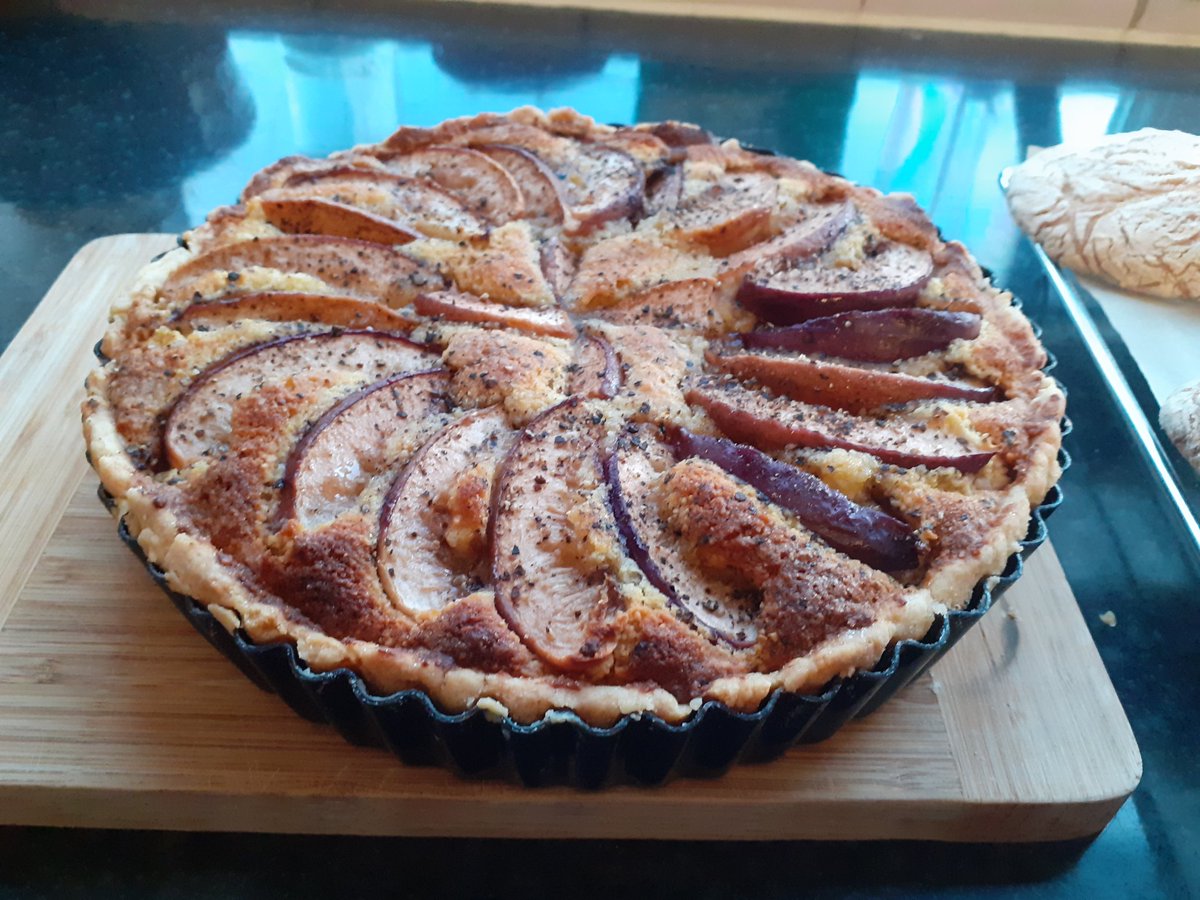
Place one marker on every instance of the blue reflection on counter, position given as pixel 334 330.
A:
pixel 942 139
pixel 313 96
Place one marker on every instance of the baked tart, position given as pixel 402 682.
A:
pixel 541 417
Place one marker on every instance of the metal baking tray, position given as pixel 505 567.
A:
pixel 1130 391
pixel 1126 384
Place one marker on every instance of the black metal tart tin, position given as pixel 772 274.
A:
pixel 561 748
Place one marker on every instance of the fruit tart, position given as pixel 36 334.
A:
pixel 532 414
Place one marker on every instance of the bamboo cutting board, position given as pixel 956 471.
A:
pixel 114 713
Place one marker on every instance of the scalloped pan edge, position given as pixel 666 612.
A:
pixel 562 748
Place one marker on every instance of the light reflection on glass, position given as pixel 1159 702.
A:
pixel 1086 113
pixel 942 141
pixel 427 95
pixel 313 96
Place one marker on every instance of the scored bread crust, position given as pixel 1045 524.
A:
pixel 1024 429
pixel 1180 419
pixel 1125 209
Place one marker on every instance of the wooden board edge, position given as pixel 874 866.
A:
pixel 475 816
pixel 985 732
pixel 41 446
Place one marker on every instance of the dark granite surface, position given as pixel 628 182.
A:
pixel 143 122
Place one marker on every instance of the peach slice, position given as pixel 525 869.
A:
pixel 312 215
pixel 649 150
pixel 483 185
pixel 198 422
pixel 280 306
pixel 634 470
pixel 877 335
pixel 664 189
pixel 870 535
pixel 593 183
pixel 418 571
pixel 360 436
pixel 278 173
pixel 601 184
pixel 844 387
pixel 354 268
pixel 456 306
pixel 539 186
pixel 548 532
pixel 812 235
pixel 774 423
pixel 680 134
pixel 893 275
pixel 558 266
pixel 595 373
pixel 419 205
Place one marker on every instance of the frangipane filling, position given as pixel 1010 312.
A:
pixel 542 413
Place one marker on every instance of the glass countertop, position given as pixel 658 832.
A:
pixel 145 123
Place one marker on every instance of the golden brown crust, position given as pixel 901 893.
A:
pixel 328 576
pixel 810 593
pixel 524 374
pixel 649 287
pixel 660 650
pixel 472 634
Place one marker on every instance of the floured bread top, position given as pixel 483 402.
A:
pixel 1125 209
pixel 534 412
